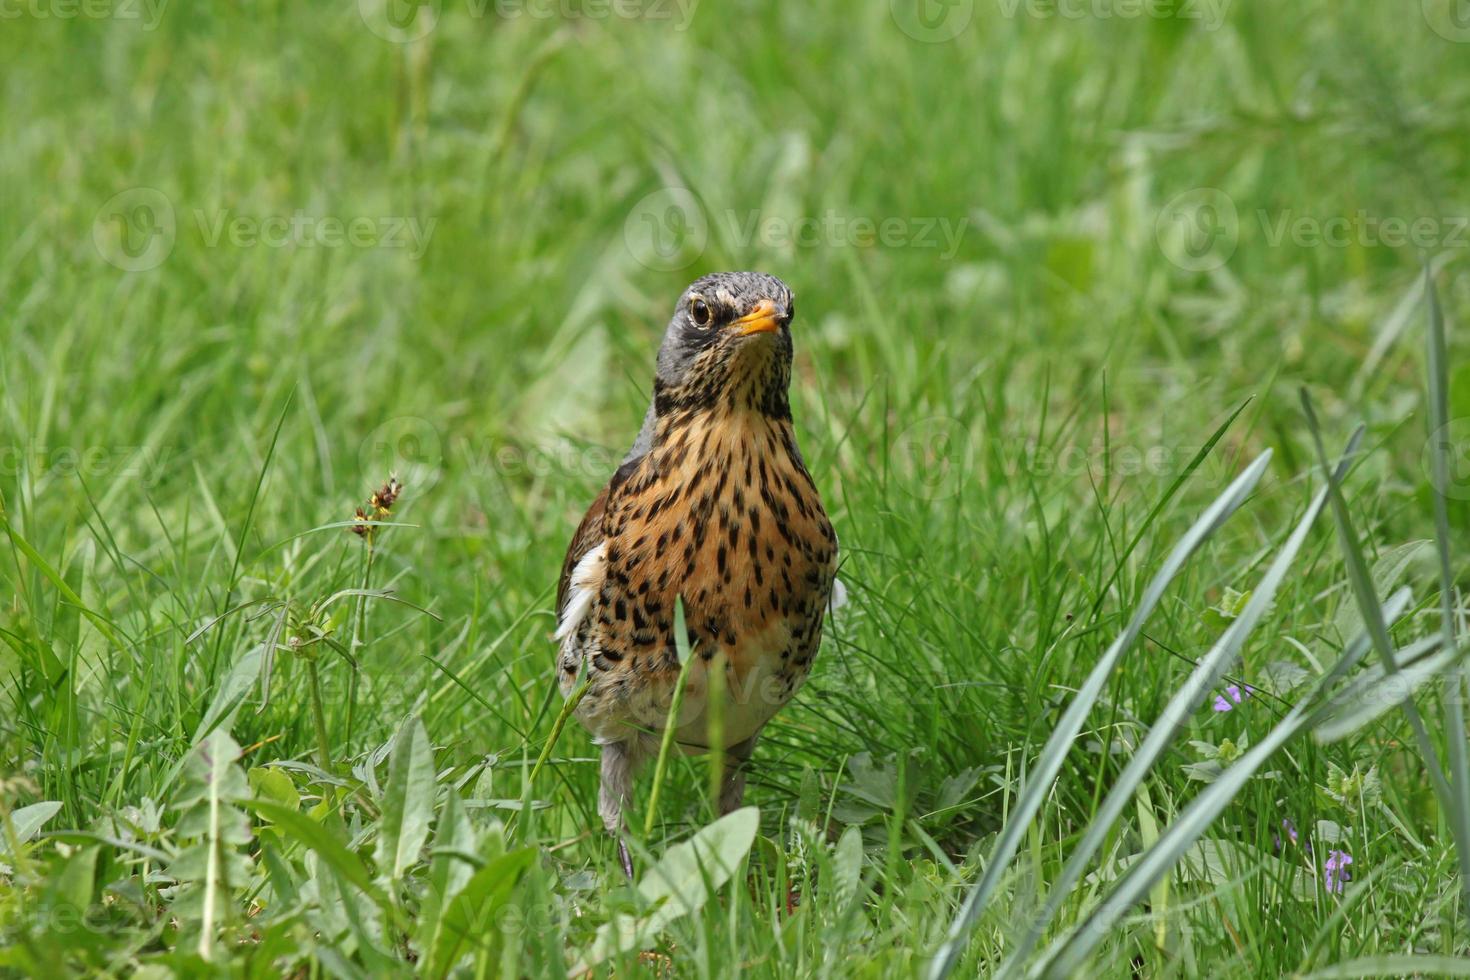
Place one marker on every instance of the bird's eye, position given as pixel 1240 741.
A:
pixel 699 312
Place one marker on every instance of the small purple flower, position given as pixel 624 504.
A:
pixel 1291 834
pixel 1335 871
pixel 1223 702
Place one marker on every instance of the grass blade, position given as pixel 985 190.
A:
pixel 1210 669
pixel 1367 599
pixel 1394 966
pixel 1368 698
pixel 1439 454
pixel 686 660
pixel 1067 954
pixel 1049 763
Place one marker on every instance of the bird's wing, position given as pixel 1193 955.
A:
pixel 591 534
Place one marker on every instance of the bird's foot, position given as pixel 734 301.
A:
pixel 625 859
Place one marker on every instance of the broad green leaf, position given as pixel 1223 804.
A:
pixel 230 692
pixel 470 921
pixel 449 868
pixel 213 865
pixel 28 821
pixel 272 783
pixel 408 801
pixel 680 883
pixel 69 893
pixel 321 841
pixel 847 868
pixel 1387 572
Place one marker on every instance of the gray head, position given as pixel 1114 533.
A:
pixel 727 347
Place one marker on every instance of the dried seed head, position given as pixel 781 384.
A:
pixel 379 508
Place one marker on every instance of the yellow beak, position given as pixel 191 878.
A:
pixel 765 318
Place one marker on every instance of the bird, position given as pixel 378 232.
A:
pixel 712 507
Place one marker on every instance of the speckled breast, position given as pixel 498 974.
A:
pixel 725 515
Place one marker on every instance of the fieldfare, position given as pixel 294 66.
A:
pixel 712 506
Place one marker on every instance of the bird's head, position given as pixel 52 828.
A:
pixel 728 346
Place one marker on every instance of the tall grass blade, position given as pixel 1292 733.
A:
pixel 1049 763
pixel 1066 955
pixel 1369 698
pixel 1367 599
pixel 1439 455
pixel 1209 671
pixel 1402 965
pixel 666 744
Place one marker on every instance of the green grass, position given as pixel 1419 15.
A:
pixel 1000 397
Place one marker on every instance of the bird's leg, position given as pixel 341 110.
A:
pixel 617 783
pixel 732 782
